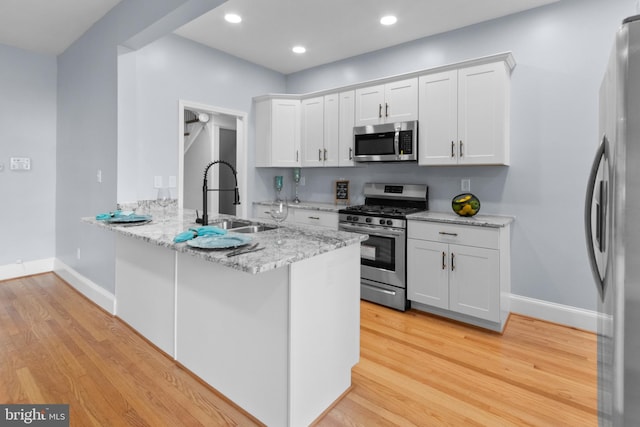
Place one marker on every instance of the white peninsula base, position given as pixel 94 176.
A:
pixel 281 344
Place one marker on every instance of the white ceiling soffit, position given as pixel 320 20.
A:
pixel 48 26
pixel 334 29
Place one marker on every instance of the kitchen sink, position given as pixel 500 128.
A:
pixel 254 228
pixel 228 224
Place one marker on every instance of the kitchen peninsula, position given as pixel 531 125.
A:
pixel 275 331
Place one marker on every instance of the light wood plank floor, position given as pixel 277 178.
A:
pixel 415 369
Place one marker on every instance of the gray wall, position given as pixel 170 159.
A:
pixel 174 68
pixel 87 126
pixel 561 52
pixel 27 129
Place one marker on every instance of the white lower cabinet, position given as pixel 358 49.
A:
pixel 459 271
pixel 301 216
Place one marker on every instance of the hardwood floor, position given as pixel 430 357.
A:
pixel 415 369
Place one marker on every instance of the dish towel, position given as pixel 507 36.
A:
pixel 114 214
pixel 207 230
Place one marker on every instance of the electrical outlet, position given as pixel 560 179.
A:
pixel 172 182
pixel 157 181
pixel 99 176
pixel 303 181
pixel 1 167
pixel 465 184
pixel 78 253
pixel 20 163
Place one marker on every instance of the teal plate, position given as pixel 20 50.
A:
pixel 127 219
pixel 229 240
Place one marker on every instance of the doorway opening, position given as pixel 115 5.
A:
pixel 208 133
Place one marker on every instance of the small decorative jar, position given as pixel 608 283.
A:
pixel 465 204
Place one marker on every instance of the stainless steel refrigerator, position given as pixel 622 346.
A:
pixel 612 223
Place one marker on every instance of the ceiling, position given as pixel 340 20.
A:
pixel 330 29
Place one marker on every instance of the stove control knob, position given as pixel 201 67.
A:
pixel 368 220
pixel 349 218
pixel 355 218
pixel 389 222
pixel 382 222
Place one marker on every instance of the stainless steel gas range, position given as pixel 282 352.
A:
pixel 383 261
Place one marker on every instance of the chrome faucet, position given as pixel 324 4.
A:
pixel 205 190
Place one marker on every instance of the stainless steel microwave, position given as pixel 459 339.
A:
pixel 389 142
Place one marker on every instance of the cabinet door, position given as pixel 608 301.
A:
pixel 428 272
pixel 400 101
pixel 285 133
pixel 315 217
pixel 369 104
pixel 438 119
pixel 313 131
pixel 474 282
pixel 482 113
pixel 346 123
pixel 331 151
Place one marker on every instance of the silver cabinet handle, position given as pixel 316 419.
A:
pixel 386 109
pixel 297 155
pixel 453 265
pixel 444 257
pixel 319 154
pixel 460 148
pixel 445 233
pixel 379 111
pixel 453 153
pixel 325 154
pixel 314 217
pixel 350 153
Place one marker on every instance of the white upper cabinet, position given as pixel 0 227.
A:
pixel 312 131
pixel 462 109
pixel 327 126
pixel 387 103
pixel 346 122
pixel 278 132
pixel 331 149
pixel 464 116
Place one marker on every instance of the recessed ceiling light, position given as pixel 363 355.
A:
pixel 299 49
pixel 388 20
pixel 233 18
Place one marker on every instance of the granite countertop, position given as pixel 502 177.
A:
pixel 493 221
pixel 298 242
pixel 316 206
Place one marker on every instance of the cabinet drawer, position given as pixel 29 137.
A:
pixel 467 235
pixel 313 217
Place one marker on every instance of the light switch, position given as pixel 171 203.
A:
pixel 20 163
pixel 157 181
pixel 1 167
pixel 172 182
pixel 465 185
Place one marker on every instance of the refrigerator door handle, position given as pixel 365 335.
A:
pixel 601 215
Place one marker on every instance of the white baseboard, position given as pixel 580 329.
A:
pixel 11 271
pixel 556 313
pixel 85 286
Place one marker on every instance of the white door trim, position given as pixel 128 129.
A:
pixel 241 148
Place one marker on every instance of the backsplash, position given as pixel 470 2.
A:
pixel 487 182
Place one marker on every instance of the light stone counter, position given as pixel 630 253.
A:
pixel 298 242
pixel 493 221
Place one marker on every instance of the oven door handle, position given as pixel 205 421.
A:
pixel 365 230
